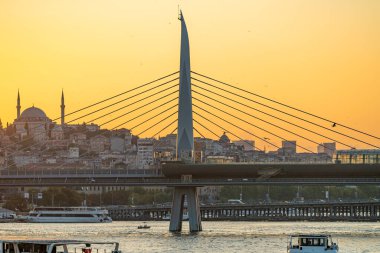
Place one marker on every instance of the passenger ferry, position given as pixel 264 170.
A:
pixel 312 244
pixel 68 215
pixel 57 246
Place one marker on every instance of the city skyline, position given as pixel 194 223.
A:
pixel 41 55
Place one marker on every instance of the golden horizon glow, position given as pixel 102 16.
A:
pixel 320 56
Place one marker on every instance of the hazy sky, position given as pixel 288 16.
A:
pixel 321 56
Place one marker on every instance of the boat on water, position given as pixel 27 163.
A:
pixel 144 226
pixel 57 246
pixel 312 244
pixel 68 215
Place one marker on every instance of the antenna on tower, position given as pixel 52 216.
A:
pixel 179 13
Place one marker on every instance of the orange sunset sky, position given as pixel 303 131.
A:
pixel 318 55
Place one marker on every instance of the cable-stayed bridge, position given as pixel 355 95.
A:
pixel 192 104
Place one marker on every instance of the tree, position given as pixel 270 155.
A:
pixel 1 125
pixel 56 196
pixel 16 202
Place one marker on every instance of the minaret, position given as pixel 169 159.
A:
pixel 185 139
pixel 62 109
pixel 18 105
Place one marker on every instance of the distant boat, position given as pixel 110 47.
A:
pixel 312 244
pixel 68 215
pixel 144 226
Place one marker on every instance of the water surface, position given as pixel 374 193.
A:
pixel 268 237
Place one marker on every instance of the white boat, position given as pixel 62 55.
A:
pixel 312 244
pixel 68 215
pixel 185 216
pixel 57 246
pixel 143 226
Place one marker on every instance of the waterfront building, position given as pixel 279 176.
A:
pixel 145 154
pixel 99 143
pixel 249 145
pixel 57 133
pixel 117 144
pixel 25 158
pixel 78 138
pixel 328 148
pixel 199 148
pixel 84 127
pixel 288 148
pixel 73 152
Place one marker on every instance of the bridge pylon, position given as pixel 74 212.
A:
pixel 185 136
pixel 193 209
pixel 185 142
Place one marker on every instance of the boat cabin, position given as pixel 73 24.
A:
pixel 312 244
pixel 58 246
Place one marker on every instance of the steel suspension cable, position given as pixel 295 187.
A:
pixel 263 139
pixel 294 116
pixel 157 143
pixel 157 123
pixel 47 148
pixel 256 118
pixel 142 114
pixel 167 126
pixel 159 106
pixel 223 130
pixel 265 113
pixel 96 103
pixel 199 133
pixel 207 128
pixel 252 125
pixel 86 130
pixel 122 93
pixel 153 117
pixel 288 106
pixel 136 109
pixel 138 94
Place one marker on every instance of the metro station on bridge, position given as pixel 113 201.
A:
pixel 358 156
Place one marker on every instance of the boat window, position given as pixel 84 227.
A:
pixel 65 215
pixel 306 242
pixel 312 242
pixel 8 248
pixel 24 247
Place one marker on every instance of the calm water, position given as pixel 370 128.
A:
pixel 269 237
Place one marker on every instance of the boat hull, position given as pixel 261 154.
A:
pixel 66 220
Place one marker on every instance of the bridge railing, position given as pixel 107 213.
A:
pixel 36 172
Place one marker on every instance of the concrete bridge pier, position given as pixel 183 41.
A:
pixel 193 209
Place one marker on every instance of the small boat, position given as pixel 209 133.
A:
pixel 312 244
pixel 68 215
pixel 144 226
pixel 54 246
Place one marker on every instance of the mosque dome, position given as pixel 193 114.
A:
pixel 33 113
pixel 224 138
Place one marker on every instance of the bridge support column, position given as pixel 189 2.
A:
pixel 193 209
